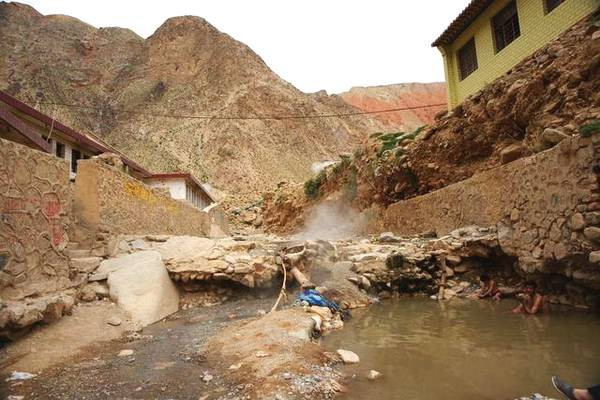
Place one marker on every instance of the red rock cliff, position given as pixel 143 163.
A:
pixel 402 95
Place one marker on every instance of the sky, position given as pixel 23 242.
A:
pixel 313 44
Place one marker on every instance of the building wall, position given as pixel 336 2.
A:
pixel 48 133
pixel 537 29
pixel 197 197
pixel 177 187
pixel 108 200
pixel 35 204
pixel 541 205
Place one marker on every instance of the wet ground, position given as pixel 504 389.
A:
pixel 425 350
pixel 467 350
pixel 167 362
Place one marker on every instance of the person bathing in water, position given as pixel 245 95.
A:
pixel 489 288
pixel 531 302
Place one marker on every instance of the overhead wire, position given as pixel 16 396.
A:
pixel 267 117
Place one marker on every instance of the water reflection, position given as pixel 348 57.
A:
pixel 467 350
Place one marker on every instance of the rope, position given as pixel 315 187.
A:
pixel 267 117
pixel 282 292
pixel 52 124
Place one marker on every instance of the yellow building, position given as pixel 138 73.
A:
pixel 490 36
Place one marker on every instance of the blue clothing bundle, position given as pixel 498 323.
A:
pixel 314 298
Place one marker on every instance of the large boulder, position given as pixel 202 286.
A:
pixel 113 264
pixel 184 248
pixel 139 284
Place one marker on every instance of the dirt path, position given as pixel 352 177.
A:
pixel 52 344
pixel 167 360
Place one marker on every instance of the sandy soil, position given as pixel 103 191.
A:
pixel 51 344
pixel 168 360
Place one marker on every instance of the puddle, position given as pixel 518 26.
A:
pixel 467 350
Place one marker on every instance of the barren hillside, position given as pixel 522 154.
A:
pixel 403 95
pixel 135 94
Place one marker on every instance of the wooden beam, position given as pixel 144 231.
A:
pixel 24 129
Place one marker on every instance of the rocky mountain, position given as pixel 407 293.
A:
pixel 189 97
pixel 374 98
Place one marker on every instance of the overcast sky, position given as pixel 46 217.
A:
pixel 314 44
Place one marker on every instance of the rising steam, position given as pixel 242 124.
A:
pixel 332 220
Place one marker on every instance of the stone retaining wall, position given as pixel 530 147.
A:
pixel 546 208
pixel 35 204
pixel 107 200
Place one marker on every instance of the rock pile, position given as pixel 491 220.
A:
pixel 389 264
pixel 142 270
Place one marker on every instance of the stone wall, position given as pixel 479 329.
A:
pixel 108 201
pixel 546 208
pixel 34 218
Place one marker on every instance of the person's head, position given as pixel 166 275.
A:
pixel 530 287
pixel 485 278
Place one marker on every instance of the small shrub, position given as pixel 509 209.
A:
pixel 385 147
pixel 341 165
pixel 312 187
pixel 258 203
pixel 412 178
pixel 395 139
pixel 351 188
pixel 389 137
pixel 590 129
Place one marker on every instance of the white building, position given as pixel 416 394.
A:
pixel 182 186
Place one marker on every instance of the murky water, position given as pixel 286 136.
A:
pixel 467 350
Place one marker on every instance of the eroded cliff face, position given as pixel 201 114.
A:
pixel 423 100
pixel 135 94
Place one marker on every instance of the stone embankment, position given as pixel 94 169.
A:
pixel 351 272
pixel 543 209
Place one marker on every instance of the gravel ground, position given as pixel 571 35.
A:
pixel 167 362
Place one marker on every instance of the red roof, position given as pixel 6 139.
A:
pixel 460 23
pixel 80 138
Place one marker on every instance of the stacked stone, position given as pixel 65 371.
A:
pixel 555 225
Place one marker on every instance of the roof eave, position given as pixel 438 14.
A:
pixel 466 17
pixel 71 133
